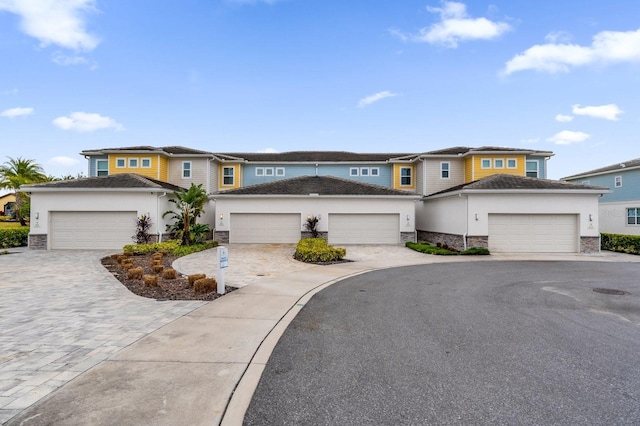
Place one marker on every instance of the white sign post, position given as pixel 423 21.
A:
pixel 223 263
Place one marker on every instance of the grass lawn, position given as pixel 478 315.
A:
pixel 11 225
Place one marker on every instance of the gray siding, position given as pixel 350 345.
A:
pixel 629 191
pixel 249 176
pixel 93 172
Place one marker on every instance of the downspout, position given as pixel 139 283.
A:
pixel 164 194
pixel 466 232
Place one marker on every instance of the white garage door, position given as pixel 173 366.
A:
pixel 91 230
pixel 364 228
pixel 264 228
pixel 540 233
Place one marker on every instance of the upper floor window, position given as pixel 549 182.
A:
pixel 485 163
pixel 121 163
pixel 375 171
pixel 354 171
pixel 133 163
pixel 532 169
pixel 186 170
pixel 364 171
pixel 498 163
pixel 145 163
pixel 633 216
pixel 512 163
pixel 268 171
pixel 102 168
pixel 618 181
pixel 279 171
pixel 405 176
pixel 444 170
pixel 228 174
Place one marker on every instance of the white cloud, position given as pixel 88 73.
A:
pixel 568 137
pixel 16 112
pixel 86 122
pixel 63 161
pixel 558 36
pixel 608 47
pixel 564 118
pixel 375 98
pixel 608 112
pixel 456 26
pixel 58 22
pixel 268 151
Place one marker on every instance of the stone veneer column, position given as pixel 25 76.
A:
pixel 37 241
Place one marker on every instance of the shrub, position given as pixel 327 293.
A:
pixel 169 274
pixel 157 268
pixel 155 262
pixel 143 226
pixel 620 243
pixel 205 285
pixel 150 280
pixel 441 249
pixel 157 256
pixel 193 248
pixel 317 250
pixel 134 274
pixel 14 237
pixel 191 279
pixel 171 247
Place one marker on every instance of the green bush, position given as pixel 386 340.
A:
pixel 314 250
pixel 620 243
pixel 14 237
pixel 172 247
pixel 429 249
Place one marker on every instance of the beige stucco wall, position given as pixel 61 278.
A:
pixel 199 172
pixel 613 218
pixel 433 181
pixel 316 206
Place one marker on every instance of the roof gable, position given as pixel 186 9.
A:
pixel 320 185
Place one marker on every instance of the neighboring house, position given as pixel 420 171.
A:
pixel 619 210
pixel 7 204
pixel 376 198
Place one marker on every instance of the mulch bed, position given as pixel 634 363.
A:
pixel 176 289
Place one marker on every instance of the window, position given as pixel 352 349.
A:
pixel 485 163
pixel 259 171
pixel 512 163
pixel 186 170
pixel 532 169
pixel 133 163
pixel 227 176
pixel 633 216
pixel 405 176
pixel 102 168
pixel 121 163
pixel 354 171
pixel 498 163
pixel 279 171
pixel 444 170
pixel 145 163
pixel 375 171
pixel 364 171
pixel 618 181
pixel 268 171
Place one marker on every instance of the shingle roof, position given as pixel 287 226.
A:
pixel 321 185
pixel 504 181
pixel 117 181
pixel 456 150
pixel 460 150
pixel 314 156
pixel 611 168
pixel 178 150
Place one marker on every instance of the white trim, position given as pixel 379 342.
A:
pixel 365 171
pixel 515 164
pixel 354 169
pixel 269 171
pixel 190 170
pixel 280 169
pixel 526 169
pixel 377 171
pixel 410 176
pixel 259 171
pixel 124 166
pixel 98 170
pixel 232 176
pixel 617 181
pixel 482 160
pixel 495 163
pixel 448 163
pixel 142 162
pixel 137 161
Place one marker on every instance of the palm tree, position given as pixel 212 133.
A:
pixel 20 171
pixel 190 206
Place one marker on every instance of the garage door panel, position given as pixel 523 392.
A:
pixel 533 233
pixel 91 230
pixel 364 228
pixel 260 228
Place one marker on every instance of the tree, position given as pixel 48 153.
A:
pixel 20 171
pixel 190 205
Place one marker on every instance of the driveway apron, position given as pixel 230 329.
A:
pixel 62 313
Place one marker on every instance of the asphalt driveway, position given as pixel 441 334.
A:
pixel 461 343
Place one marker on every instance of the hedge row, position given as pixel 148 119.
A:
pixel 620 243
pixel 315 250
pixel 429 249
pixel 14 237
pixel 172 247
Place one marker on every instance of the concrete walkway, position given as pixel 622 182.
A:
pixel 202 368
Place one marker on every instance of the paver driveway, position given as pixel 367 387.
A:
pixel 62 313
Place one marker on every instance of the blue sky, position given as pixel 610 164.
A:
pixel 357 75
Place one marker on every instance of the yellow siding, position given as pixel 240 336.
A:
pixel 151 172
pixel 468 170
pixel 237 176
pixel 397 168
pixel 479 172
pixel 164 169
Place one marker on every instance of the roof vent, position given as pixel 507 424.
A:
pixel 623 165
